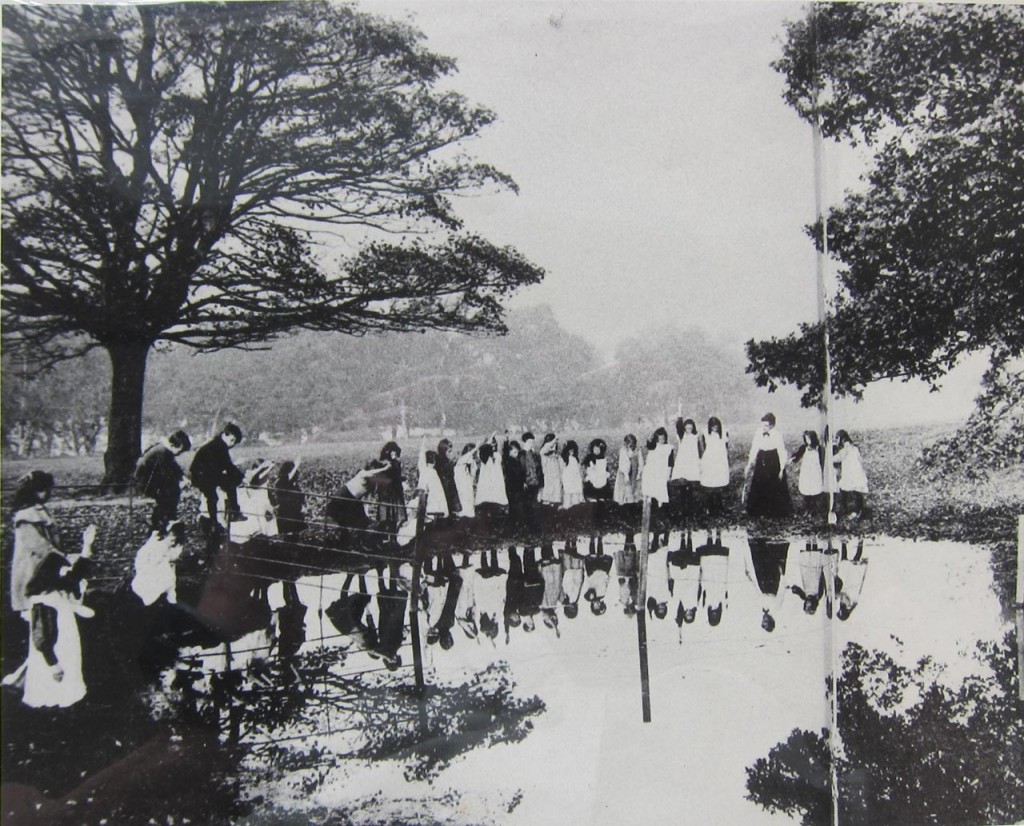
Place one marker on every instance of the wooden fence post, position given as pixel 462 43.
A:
pixel 641 616
pixel 414 598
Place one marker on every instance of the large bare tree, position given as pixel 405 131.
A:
pixel 174 173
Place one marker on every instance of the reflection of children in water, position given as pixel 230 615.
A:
pixel 811 563
pixel 684 581
pixel 598 569
pixel 490 593
pixel 443 586
pixel 658 592
pixel 524 591
pixel 392 605
pixel 765 566
pixel 849 580
pixel 465 607
pixel 551 572
pixel 627 569
pixel 572 579
pixel 714 577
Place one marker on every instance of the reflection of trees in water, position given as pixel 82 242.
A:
pixel 912 750
pixel 310 718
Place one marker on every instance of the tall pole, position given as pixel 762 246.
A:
pixel 821 262
pixel 641 616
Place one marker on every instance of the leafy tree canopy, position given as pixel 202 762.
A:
pixel 931 253
pixel 169 171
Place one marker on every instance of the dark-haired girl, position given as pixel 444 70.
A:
pixel 714 464
pixel 551 466
pixel 657 467
pixel 853 481
pixel 465 480
pixel 629 472
pixel 596 481
pixel 810 457
pixel 445 467
pixel 686 467
pixel 46 588
pixel 389 506
pixel 572 475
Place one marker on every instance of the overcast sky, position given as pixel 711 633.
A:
pixel 663 180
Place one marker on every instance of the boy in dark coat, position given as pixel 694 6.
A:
pixel 212 468
pixel 158 476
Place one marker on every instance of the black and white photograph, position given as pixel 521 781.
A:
pixel 520 412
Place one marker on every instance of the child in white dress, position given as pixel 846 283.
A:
pixel 853 481
pixel 572 475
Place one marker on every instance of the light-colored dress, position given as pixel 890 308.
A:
pixel 810 481
pixel 657 577
pixel 714 464
pixel 627 478
pixel 687 464
pixel 551 465
pixel 429 481
pixel 465 470
pixel 851 469
pixel 490 486
pixel 572 482
pixel 572 577
pixel 154 569
pixel 654 482
pixel 42 688
pixel 255 505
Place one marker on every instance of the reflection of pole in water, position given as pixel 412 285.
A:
pixel 1020 607
pixel 641 615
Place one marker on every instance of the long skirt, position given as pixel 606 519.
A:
pixel 769 495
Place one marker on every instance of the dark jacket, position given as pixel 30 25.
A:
pixel 158 473
pixel 212 467
pixel 534 473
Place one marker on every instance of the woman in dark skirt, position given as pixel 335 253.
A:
pixel 768 494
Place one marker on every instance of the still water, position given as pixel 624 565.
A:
pixel 741 634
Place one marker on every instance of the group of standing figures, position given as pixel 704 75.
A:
pixel 514 477
pixel 686 477
pixel 767 492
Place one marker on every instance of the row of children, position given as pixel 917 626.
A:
pixel 513 475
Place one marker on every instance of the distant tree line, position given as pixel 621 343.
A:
pixel 320 385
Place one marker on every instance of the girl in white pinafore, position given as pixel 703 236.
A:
pixel 47 587
pixel 429 481
pixel 714 464
pixel 630 471
pixel 154 565
pixel 687 464
pixel 465 480
pixel 853 481
pixel 810 483
pixel 654 482
pixel 490 485
pixel 572 475
pixel 551 466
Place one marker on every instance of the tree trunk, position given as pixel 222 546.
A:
pixel 124 424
